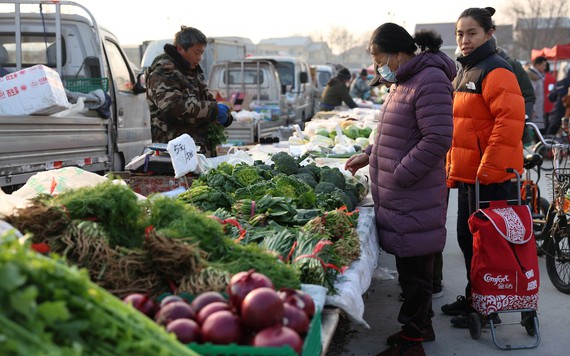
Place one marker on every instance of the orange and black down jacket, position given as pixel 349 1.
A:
pixel 488 120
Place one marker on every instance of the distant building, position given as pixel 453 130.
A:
pixel 299 46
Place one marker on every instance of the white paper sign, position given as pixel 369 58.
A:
pixel 183 153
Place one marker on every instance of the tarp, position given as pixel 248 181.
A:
pixel 561 51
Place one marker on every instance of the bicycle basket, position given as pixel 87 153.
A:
pixel 560 179
pixel 86 85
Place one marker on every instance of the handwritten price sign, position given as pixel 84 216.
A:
pixel 182 151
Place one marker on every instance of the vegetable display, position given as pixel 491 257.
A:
pixel 49 308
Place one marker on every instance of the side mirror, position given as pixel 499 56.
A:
pixel 304 77
pixel 139 86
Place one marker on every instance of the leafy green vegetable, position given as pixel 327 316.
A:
pixel 246 175
pixel 114 206
pixel 48 308
pixel 207 198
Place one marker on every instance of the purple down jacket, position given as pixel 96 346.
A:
pixel 408 158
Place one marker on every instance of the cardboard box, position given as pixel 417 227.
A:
pixel 35 90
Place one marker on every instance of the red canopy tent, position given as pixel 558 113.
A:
pixel 556 53
pixel 561 51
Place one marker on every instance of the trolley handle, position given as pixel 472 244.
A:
pixel 509 170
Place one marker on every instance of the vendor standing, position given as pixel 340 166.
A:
pixel 336 91
pixel 178 97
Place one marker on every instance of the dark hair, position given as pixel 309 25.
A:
pixel 481 15
pixel 540 60
pixel 392 38
pixel 188 37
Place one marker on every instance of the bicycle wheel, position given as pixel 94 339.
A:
pixel 558 261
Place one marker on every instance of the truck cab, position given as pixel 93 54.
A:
pixel 86 57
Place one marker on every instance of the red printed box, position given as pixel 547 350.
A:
pixel 35 90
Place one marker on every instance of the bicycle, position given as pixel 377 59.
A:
pixel 530 195
pixel 555 233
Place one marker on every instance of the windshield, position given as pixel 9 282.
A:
pixel 286 72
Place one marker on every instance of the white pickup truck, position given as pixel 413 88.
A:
pixel 87 57
pixel 281 86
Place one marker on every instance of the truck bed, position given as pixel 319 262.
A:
pixel 31 144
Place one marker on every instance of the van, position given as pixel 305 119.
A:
pixel 301 93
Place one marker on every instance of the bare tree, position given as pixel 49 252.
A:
pixel 340 39
pixel 538 23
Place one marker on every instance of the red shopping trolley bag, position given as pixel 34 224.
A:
pixel 504 268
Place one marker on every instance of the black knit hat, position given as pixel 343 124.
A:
pixel 343 74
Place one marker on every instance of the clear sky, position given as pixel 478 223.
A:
pixel 134 21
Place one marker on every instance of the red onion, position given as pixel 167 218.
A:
pixel 262 308
pixel 170 299
pixel 277 336
pixel 206 298
pixel 299 299
pixel 142 303
pixel 296 319
pixel 244 282
pixel 173 311
pixel 186 330
pixel 222 327
pixel 209 309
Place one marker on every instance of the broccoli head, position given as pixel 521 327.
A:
pixel 285 163
pixel 334 200
pixel 334 176
pixel 325 187
pixel 307 178
pixel 313 169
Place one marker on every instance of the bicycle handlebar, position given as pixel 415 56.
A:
pixel 539 135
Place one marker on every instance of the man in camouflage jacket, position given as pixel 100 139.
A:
pixel 177 95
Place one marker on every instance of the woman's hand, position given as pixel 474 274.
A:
pixel 356 162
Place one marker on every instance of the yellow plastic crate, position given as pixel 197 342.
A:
pixel 311 347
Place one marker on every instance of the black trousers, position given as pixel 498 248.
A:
pixel 466 205
pixel 415 275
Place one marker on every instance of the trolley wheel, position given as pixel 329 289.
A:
pixel 527 320
pixel 475 323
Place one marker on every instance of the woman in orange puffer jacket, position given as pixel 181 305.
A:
pixel 488 120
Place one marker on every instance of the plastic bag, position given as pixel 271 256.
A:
pixel 233 157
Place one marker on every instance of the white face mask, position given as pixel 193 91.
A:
pixel 387 73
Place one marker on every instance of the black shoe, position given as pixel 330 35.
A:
pixel 458 307
pixel 460 321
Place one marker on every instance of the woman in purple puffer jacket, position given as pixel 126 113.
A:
pixel 407 169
